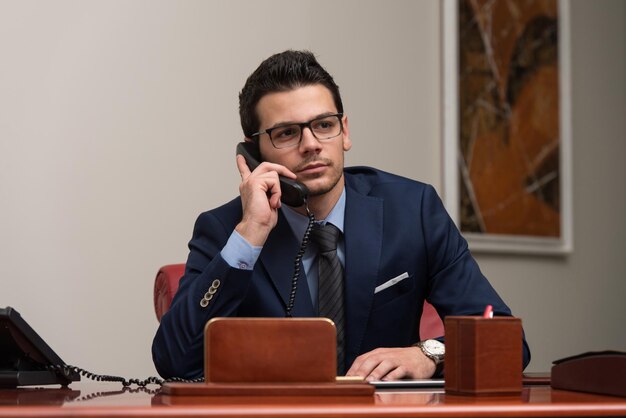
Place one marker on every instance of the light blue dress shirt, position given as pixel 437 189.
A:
pixel 238 252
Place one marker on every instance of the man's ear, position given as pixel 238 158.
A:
pixel 347 143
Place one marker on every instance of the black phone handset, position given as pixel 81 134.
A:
pixel 293 193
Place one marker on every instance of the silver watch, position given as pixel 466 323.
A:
pixel 433 349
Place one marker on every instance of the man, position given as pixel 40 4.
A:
pixel 397 246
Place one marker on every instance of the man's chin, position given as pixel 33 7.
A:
pixel 319 187
pixel 318 191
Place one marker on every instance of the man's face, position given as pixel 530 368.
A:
pixel 318 164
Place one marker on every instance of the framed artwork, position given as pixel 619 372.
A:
pixel 507 134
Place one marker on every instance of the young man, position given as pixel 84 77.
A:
pixel 396 244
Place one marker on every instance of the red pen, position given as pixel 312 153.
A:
pixel 488 312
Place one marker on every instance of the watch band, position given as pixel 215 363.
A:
pixel 434 350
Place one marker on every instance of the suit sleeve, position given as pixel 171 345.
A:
pixel 456 284
pixel 177 349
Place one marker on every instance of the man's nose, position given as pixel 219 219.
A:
pixel 308 142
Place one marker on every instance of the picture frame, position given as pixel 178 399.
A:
pixel 507 152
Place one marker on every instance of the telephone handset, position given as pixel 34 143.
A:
pixel 292 192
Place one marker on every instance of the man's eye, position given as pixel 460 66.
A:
pixel 285 133
pixel 324 125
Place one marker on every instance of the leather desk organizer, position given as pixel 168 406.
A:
pixel 602 372
pixel 270 357
pixel 483 355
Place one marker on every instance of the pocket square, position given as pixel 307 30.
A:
pixel 391 282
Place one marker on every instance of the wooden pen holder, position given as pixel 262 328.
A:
pixel 483 355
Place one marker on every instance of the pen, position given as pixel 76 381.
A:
pixel 488 312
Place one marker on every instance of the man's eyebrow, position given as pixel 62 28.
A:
pixel 285 123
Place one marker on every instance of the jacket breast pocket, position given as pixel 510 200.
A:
pixel 393 288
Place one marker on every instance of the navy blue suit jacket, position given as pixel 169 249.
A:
pixel 392 226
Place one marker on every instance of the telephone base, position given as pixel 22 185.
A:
pixel 13 379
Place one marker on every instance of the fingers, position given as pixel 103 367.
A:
pixel 275 193
pixel 259 190
pixel 392 364
pixel 260 199
pixel 263 178
pixel 395 374
pixel 374 365
pixel 244 170
pixel 264 167
pixel 281 170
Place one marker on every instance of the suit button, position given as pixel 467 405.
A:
pixel 216 283
pixel 204 303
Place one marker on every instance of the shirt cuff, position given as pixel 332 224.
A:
pixel 239 253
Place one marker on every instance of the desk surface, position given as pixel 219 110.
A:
pixel 92 399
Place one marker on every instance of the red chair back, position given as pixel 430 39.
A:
pixel 165 287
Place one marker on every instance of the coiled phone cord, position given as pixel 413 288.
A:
pixel 66 370
pixel 298 261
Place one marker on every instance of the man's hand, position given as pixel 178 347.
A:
pixel 393 364
pixel 260 199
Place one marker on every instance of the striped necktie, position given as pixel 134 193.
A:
pixel 330 284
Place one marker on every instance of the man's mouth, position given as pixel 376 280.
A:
pixel 313 168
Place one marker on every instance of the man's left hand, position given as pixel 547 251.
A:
pixel 393 364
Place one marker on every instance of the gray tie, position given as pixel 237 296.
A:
pixel 330 283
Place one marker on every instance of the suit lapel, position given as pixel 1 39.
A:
pixel 277 257
pixel 363 226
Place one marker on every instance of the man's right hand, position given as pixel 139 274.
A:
pixel 392 364
pixel 260 199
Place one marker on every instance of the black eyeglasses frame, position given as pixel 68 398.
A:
pixel 301 125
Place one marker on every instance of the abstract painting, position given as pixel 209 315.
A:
pixel 511 145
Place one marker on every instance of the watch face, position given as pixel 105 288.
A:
pixel 434 347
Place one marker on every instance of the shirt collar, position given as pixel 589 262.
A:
pixel 299 222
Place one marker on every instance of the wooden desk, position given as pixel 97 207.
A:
pixel 92 399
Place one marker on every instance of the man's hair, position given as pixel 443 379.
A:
pixel 282 72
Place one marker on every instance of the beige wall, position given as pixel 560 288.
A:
pixel 118 121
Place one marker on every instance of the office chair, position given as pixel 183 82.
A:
pixel 166 284
pixel 165 287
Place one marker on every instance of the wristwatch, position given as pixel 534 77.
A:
pixel 434 350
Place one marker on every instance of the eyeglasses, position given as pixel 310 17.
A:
pixel 323 128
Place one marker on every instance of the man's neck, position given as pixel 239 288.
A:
pixel 321 205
